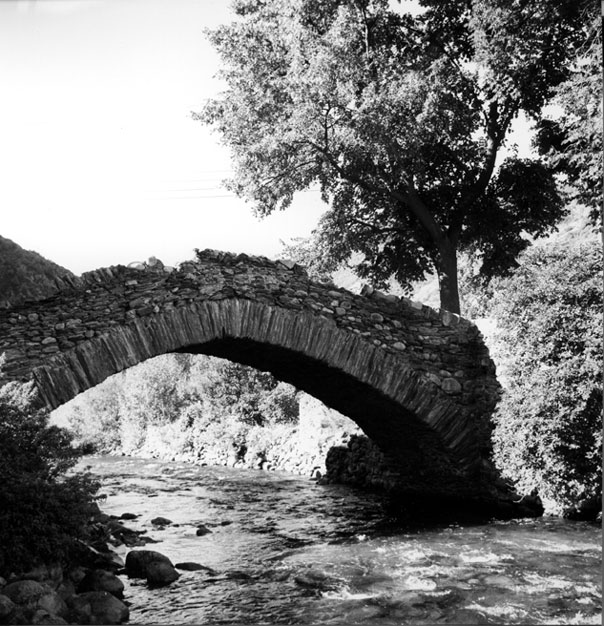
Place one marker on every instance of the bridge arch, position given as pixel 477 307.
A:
pixel 419 382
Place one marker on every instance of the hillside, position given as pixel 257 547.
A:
pixel 25 275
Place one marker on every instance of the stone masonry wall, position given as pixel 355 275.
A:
pixel 433 363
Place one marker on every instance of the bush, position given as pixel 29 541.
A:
pixel 43 512
pixel 547 435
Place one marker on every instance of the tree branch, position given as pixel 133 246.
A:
pixel 375 228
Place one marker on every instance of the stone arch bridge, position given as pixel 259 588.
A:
pixel 419 382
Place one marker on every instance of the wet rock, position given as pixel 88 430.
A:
pixel 189 566
pixel 498 580
pixel 98 607
pixel 102 580
pixel 160 574
pixel 202 530
pixel 161 521
pixel 137 562
pixel 128 516
pixel 233 575
pixel 238 575
pixel 317 581
pixel 127 536
pixel 95 559
pixel 467 616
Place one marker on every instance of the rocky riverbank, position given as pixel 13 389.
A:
pixel 88 591
pixel 300 448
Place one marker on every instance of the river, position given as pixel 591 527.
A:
pixel 285 550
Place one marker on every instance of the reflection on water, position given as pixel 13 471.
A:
pixel 288 551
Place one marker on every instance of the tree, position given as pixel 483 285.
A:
pixel 572 143
pixel 399 121
pixel 548 426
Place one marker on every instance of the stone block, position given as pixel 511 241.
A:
pixel 450 385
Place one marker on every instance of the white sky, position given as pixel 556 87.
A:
pixel 100 161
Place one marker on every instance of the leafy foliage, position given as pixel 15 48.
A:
pixel 43 512
pixel 549 352
pixel 398 120
pixel 572 143
pixel 208 401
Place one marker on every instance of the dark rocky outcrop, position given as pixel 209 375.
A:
pixel 25 275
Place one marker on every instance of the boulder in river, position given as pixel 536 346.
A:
pixel 161 521
pixel 98 607
pixel 102 580
pixel 138 562
pixel 160 574
pixel 202 530
pixel 189 566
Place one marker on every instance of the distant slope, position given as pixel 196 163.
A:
pixel 25 275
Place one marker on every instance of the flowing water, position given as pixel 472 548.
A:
pixel 284 550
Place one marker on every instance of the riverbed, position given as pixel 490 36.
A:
pixel 285 550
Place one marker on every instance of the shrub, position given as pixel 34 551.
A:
pixel 43 511
pixel 547 433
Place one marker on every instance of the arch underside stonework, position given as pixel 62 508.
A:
pixel 403 403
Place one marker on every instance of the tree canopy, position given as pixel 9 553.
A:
pixel 572 142
pixel 398 120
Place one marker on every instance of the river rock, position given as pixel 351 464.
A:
pixel 160 573
pixel 25 592
pixel 137 562
pixel 53 603
pixel 98 607
pixel 7 609
pixel 317 580
pixel 95 559
pixel 102 580
pixel 128 516
pixel 42 616
pixel 66 589
pixel 189 566
pixel 161 521
pixel 202 530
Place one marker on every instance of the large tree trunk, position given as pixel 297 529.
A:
pixel 446 269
